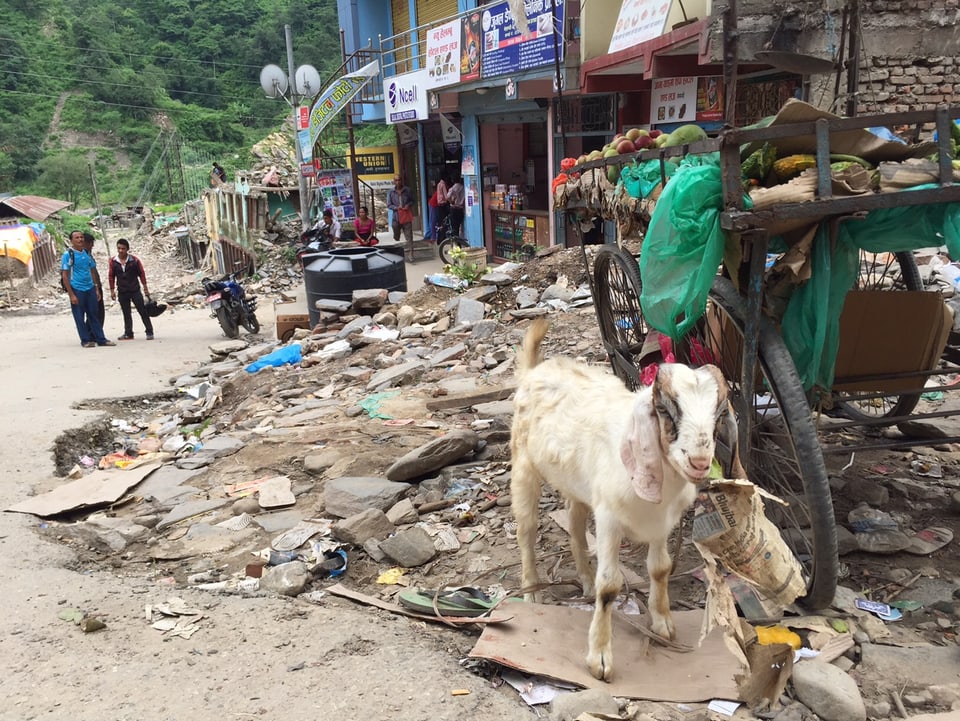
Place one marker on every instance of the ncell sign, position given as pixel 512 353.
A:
pixel 405 97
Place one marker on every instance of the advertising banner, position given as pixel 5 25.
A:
pixel 673 100
pixel 443 54
pixel 336 96
pixel 377 166
pixel 405 97
pixel 470 48
pixel 335 190
pixel 511 45
pixel 686 100
pixel 638 22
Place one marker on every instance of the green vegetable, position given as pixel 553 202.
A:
pixel 758 165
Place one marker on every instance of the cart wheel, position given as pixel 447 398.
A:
pixel 622 328
pixel 877 274
pixel 784 456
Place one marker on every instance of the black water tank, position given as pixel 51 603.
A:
pixel 335 274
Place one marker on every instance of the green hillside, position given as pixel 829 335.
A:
pixel 127 85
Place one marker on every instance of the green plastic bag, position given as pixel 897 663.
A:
pixel 683 247
pixel 640 179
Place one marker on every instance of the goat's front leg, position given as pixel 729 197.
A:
pixel 659 566
pixel 608 583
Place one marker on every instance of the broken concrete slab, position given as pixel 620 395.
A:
pixel 395 375
pixel 493 408
pixel 469 311
pixel 345 496
pixel 279 521
pixel 226 347
pixel 527 297
pixel 334 306
pixel 434 455
pixel 403 512
pixel 444 356
pixel 467 400
pixel 166 483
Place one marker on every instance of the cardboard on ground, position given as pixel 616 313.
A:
pixel 96 489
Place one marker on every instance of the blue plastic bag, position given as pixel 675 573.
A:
pixel 287 355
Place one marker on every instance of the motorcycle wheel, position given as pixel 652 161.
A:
pixel 227 322
pixel 250 321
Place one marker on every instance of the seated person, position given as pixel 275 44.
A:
pixel 364 227
pixel 328 226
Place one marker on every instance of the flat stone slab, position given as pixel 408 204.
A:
pixel 349 495
pixel 395 375
pixel 166 483
pixel 434 455
pixel 279 521
pixel 189 509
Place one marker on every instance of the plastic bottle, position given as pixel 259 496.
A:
pixel 864 519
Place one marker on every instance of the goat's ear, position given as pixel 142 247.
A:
pixel 728 445
pixel 640 452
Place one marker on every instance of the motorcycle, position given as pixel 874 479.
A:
pixel 314 240
pixel 231 306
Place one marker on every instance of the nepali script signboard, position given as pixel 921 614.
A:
pixel 331 101
pixel 511 45
pixel 638 22
pixel 443 55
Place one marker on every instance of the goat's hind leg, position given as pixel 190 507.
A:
pixel 525 486
pixel 579 512
pixel 608 584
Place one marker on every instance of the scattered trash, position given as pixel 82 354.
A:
pixel 300 534
pixel 371 404
pixel 174 617
pixel 534 690
pixel 929 540
pixel 391 577
pixel 462 601
pixel 244 488
pixel 767 635
pixel 445 280
pixel 881 610
pixel 237 523
pixel 725 708
pixel 926 468
pixel 379 332
pixel 334 564
pixel 864 519
pixel 277 558
pixel 285 355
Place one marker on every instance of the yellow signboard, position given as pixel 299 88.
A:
pixel 377 167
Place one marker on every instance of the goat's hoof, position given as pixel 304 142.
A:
pixel 664 628
pixel 601 665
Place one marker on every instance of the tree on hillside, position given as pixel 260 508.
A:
pixel 66 176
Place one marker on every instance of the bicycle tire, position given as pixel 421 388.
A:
pixel 445 245
pixel 784 455
pixel 622 327
pixel 874 275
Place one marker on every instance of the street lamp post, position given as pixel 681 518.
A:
pixel 304 82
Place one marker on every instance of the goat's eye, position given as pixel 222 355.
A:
pixel 661 409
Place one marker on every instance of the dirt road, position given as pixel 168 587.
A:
pixel 252 658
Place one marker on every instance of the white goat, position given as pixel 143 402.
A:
pixel 634 459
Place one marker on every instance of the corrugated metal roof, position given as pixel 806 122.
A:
pixel 34 207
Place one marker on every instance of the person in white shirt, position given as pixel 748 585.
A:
pixel 456 198
pixel 328 226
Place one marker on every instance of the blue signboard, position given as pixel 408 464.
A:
pixel 507 49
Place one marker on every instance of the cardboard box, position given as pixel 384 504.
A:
pixel 884 333
pixel 286 324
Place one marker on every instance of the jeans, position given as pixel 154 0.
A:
pixel 431 231
pixel 456 221
pixel 136 297
pixel 85 314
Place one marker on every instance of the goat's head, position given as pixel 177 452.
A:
pixel 690 409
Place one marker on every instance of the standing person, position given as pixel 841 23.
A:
pixel 456 198
pixel 126 275
pixel 400 202
pixel 88 241
pixel 78 271
pixel 443 205
pixel 431 231
pixel 365 228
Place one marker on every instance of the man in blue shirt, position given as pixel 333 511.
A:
pixel 82 281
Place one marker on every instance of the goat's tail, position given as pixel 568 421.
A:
pixel 530 354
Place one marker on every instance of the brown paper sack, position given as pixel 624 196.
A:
pixel 730 526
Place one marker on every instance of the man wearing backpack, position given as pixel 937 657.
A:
pixel 126 275
pixel 78 274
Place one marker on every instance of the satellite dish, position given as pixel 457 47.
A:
pixel 307 81
pixel 273 81
pixel 798 63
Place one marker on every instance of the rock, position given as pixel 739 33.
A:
pixel 226 347
pixel 469 311
pixel 354 326
pixel 482 293
pixel 287 579
pixel 434 455
pixel 846 541
pixel 103 540
pixel 386 319
pixel 275 492
pixel 348 495
pixel 396 297
pixel 369 299
pixel 412 331
pixel 947 695
pixel 358 528
pixel 483 329
pixel 828 692
pixel 869 491
pixel 916 429
pixel 248 504
pixel 494 408
pixel 496 278
pixel 557 292
pixel 445 355
pixel 878 709
pixel 796 711
pixel 334 306
pixel 409 548
pixel 528 312
pixel 527 297
pixel 317 463
pixel 279 521
pixel 405 316
pixel 396 375
pixel 570 706
pixel 130 531
pixel 221 446
pixel 372 548
pixel 402 513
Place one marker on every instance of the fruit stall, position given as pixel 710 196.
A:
pixel 751 245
